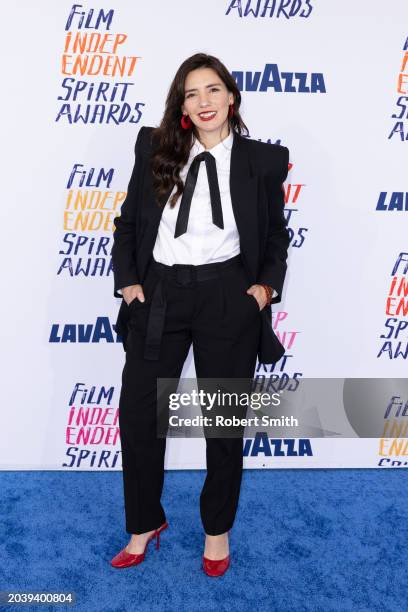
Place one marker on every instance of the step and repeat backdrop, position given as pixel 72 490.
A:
pixel 329 80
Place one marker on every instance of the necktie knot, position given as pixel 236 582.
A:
pixel 215 196
pixel 202 156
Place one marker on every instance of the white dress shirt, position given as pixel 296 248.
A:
pixel 203 242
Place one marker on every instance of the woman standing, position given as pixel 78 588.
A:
pixel 199 255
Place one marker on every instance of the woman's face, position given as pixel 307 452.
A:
pixel 206 100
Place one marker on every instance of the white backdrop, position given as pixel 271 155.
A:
pixel 346 148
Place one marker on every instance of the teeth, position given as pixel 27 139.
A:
pixel 207 114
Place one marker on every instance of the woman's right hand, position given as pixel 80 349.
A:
pixel 132 292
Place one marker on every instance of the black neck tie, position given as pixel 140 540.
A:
pixel 191 180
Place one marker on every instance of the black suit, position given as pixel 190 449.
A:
pixel 205 306
pixel 256 176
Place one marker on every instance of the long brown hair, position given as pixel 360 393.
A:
pixel 172 143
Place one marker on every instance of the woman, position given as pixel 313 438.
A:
pixel 199 255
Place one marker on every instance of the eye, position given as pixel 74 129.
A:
pixel 215 89
pixel 189 95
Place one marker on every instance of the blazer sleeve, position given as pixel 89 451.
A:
pixel 124 237
pixel 273 267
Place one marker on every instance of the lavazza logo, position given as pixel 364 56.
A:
pixel 279 81
pixel 100 331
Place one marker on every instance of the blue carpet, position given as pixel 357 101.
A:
pixel 303 540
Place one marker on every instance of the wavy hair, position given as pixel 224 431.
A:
pixel 172 143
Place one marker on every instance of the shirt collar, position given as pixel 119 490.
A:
pixel 219 151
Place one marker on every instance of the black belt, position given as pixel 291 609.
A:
pixel 183 274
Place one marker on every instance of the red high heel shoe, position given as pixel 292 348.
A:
pixel 125 559
pixel 216 567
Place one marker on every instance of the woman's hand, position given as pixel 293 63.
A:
pixel 259 294
pixel 132 292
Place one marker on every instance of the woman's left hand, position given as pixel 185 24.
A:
pixel 259 294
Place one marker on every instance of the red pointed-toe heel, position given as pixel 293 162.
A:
pixel 125 559
pixel 216 567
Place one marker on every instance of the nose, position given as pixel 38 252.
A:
pixel 203 100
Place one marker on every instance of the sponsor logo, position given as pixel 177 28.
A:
pixel 271 78
pixel 100 331
pixel 270 447
pixel 395 200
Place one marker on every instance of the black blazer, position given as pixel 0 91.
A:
pixel 257 172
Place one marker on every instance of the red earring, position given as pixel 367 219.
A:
pixel 231 110
pixel 185 122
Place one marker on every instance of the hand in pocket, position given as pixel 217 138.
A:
pixel 133 292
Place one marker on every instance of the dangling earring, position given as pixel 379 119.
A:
pixel 185 122
pixel 231 110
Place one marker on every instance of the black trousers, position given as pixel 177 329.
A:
pixel 223 324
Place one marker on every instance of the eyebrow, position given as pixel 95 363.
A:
pixel 211 85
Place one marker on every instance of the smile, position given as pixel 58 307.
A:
pixel 207 116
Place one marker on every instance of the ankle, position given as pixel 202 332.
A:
pixel 213 538
pixel 141 536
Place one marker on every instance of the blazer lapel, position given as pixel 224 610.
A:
pixel 244 194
